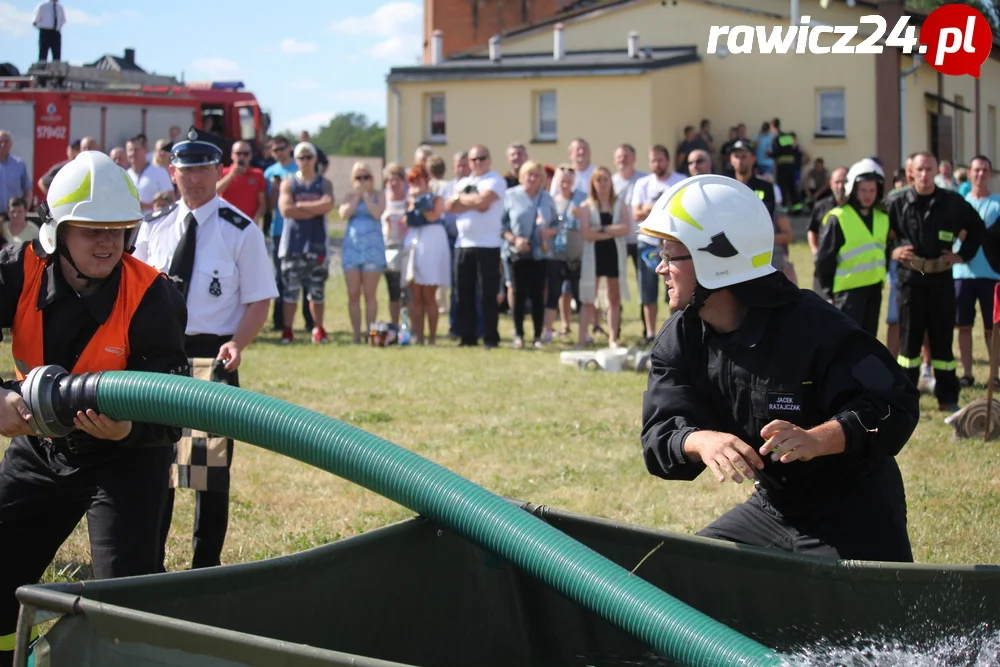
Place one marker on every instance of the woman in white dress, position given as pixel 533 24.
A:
pixel 427 259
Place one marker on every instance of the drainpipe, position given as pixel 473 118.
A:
pixel 794 11
pixel 396 122
pixel 917 61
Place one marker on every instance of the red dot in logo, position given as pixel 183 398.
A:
pixel 958 40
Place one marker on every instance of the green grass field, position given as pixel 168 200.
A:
pixel 522 425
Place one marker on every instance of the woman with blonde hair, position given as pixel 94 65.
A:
pixel 393 234
pixel 363 256
pixel 604 226
pixel 427 263
pixel 529 225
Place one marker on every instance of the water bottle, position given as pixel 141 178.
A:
pixel 404 328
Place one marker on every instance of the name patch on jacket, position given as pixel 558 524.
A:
pixel 783 403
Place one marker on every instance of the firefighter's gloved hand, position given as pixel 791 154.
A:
pixel 724 454
pixel 14 415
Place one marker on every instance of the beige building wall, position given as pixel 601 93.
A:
pixel 671 111
pixel 497 112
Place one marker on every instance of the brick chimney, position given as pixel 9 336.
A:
pixel 469 25
pixel 129 56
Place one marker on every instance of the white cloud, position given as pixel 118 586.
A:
pixel 216 68
pixel 398 24
pixel 398 48
pixel 82 18
pixel 358 98
pixel 293 45
pixel 311 122
pixel 14 22
pixel 303 84
pixel 390 19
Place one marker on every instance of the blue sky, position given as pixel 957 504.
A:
pixel 305 60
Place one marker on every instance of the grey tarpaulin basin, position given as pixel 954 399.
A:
pixel 416 594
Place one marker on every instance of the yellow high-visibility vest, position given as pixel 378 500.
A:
pixel 861 260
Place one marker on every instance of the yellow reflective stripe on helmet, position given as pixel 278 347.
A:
pixel 131 185
pixel 676 209
pixel 760 260
pixel 82 193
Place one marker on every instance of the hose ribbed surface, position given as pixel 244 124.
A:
pixel 666 625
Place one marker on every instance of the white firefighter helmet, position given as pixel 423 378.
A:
pixel 724 224
pixel 864 170
pixel 90 191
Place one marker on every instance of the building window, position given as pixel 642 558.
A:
pixel 830 113
pixel 436 118
pixel 546 125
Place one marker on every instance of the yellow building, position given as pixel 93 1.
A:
pixel 639 71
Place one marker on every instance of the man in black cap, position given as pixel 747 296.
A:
pixel 217 258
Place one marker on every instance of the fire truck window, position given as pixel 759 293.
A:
pixel 212 121
pixel 248 131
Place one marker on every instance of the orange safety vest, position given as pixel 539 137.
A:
pixel 108 349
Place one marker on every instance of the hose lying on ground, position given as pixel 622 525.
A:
pixel 970 421
pixel 668 626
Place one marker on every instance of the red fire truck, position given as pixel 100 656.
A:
pixel 54 103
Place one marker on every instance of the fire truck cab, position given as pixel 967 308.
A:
pixel 55 103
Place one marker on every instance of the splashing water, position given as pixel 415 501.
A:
pixel 979 647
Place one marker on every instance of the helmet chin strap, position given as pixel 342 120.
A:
pixel 89 281
pixel 698 300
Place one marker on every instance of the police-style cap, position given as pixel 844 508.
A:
pixel 199 147
pixel 742 145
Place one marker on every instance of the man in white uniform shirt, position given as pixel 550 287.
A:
pixel 647 190
pixel 148 178
pixel 217 258
pixel 477 201
pixel 49 19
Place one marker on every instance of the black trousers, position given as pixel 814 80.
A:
pixel 44 492
pixel 49 40
pixel 785 177
pixel 478 266
pixel 870 525
pixel 528 278
pixel 929 308
pixel 862 305
pixel 211 508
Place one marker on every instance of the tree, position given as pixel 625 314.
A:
pixel 351 134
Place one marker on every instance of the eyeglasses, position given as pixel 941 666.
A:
pixel 667 259
pixel 480 158
pixel 243 152
pixel 363 177
pixel 698 161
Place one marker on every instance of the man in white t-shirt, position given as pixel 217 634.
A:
pixel 647 190
pixel 477 201
pixel 148 178
pixel 623 181
pixel 579 157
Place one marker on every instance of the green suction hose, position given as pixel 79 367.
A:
pixel 668 626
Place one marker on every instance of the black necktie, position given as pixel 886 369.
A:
pixel 182 265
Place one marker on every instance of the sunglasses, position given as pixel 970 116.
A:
pixel 363 177
pixel 242 153
pixel 481 158
pixel 305 157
